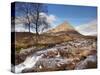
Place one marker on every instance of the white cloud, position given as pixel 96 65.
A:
pixel 50 18
pixel 20 27
pixel 88 29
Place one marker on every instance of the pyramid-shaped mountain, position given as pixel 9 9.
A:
pixel 65 26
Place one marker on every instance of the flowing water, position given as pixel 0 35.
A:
pixel 27 64
pixel 31 61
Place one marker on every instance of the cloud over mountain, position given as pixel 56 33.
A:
pixel 50 18
pixel 88 29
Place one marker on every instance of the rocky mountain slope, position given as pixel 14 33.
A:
pixel 65 26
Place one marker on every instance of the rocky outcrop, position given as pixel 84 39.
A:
pixel 89 62
pixel 70 55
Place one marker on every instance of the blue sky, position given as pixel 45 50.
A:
pixel 76 15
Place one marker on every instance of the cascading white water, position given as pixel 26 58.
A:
pixel 27 64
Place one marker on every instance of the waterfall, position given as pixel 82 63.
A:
pixel 27 64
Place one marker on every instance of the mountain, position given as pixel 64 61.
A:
pixel 65 29
pixel 65 26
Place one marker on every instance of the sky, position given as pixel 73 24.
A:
pixel 77 16
pixel 82 18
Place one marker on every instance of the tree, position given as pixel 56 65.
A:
pixel 39 21
pixel 29 15
pixel 23 14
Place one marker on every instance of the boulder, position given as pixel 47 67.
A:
pixel 89 62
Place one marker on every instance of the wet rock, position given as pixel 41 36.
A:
pixel 89 62
pixel 28 70
pixel 19 58
pixel 67 56
pixel 28 50
pixel 70 66
pixel 64 53
pixel 51 54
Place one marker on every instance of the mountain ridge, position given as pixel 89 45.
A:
pixel 65 26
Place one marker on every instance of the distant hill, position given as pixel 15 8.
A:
pixel 65 26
